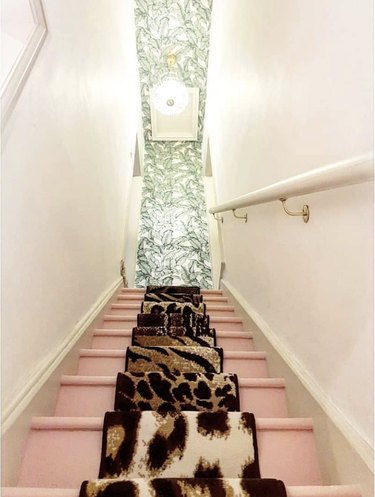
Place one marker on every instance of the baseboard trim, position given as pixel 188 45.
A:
pixel 46 367
pixel 361 446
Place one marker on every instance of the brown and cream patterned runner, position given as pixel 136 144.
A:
pixel 157 319
pixel 177 430
pixel 174 297
pixel 177 391
pixel 148 444
pixel 173 340
pixel 174 307
pixel 174 359
pixel 184 487
pixel 172 289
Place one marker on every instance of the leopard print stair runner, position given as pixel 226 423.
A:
pixel 170 341
pixel 174 359
pixel 157 319
pixel 175 333
pixel 149 331
pixel 173 307
pixel 184 487
pixel 148 444
pixel 177 323
pixel 177 391
pixel 176 430
pixel 177 297
pixel 172 290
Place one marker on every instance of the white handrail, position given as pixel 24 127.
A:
pixel 348 172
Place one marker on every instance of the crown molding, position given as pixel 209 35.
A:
pixel 17 77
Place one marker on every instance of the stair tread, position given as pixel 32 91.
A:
pixel 283 446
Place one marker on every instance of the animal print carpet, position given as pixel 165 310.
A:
pixel 184 487
pixel 173 322
pixel 148 444
pixel 176 323
pixel 147 319
pixel 171 289
pixel 173 331
pixel 174 307
pixel 174 359
pixel 170 340
pixel 177 297
pixel 176 431
pixel 177 391
pixel 149 331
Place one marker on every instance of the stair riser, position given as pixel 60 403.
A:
pixel 136 299
pixel 110 366
pixel 141 292
pixel 94 400
pixel 120 343
pixel 119 324
pixel 305 491
pixel 65 458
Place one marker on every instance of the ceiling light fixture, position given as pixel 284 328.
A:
pixel 170 96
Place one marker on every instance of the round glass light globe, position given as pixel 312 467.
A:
pixel 170 97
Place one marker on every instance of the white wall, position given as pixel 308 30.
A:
pixel 295 93
pixel 66 170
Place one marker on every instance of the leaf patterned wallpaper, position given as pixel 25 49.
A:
pixel 173 245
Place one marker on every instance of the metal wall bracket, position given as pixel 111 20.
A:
pixel 239 217
pixel 218 218
pixel 305 213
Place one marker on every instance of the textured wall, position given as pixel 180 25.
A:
pixel 173 233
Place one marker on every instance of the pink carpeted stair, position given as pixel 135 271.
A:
pixel 64 450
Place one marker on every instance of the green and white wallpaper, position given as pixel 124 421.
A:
pixel 173 245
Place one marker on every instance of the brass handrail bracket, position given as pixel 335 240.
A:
pixel 220 218
pixel 239 217
pixel 305 213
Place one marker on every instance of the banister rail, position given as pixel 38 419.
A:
pixel 348 172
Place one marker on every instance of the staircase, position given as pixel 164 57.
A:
pixel 64 450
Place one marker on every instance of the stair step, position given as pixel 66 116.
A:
pixel 292 491
pixel 108 362
pixel 120 339
pixel 213 299
pixel 224 323
pixel 94 395
pixel 70 450
pixel 134 309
